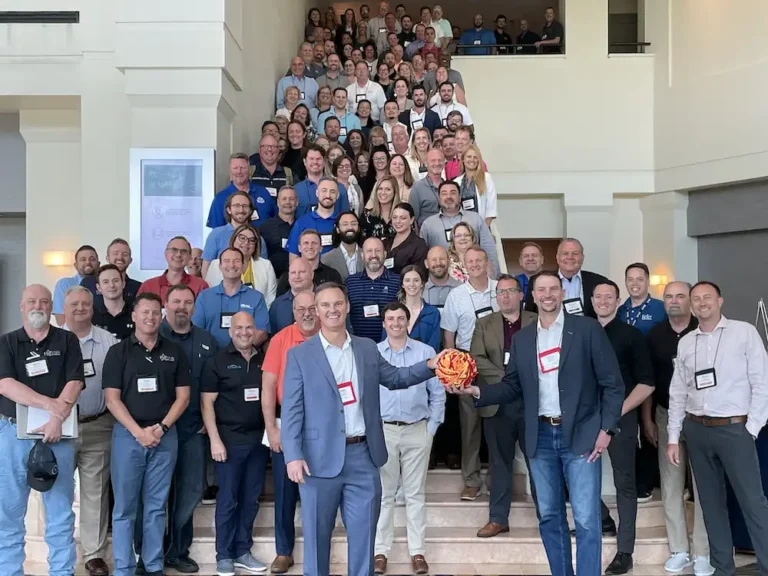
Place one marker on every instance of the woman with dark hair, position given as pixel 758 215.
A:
pixel 313 21
pixel 355 143
pixel 398 167
pixel 330 20
pixel 362 167
pixel 343 171
pixel 302 114
pixel 406 248
pixel 349 27
pixel 377 221
pixel 377 170
pixel 383 79
pixel 402 93
pixel 371 56
pixel 364 114
pixel 292 159
pixel 424 324
pixel 362 35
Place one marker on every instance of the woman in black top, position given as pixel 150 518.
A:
pixel 384 80
pixel 379 168
pixel 405 248
pixel 364 113
pixel 355 143
pixel 313 21
pixel 377 222
pixel 301 114
pixel 292 158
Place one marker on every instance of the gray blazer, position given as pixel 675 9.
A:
pixel 335 260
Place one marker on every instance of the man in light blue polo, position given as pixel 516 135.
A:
pixel 307 86
pixel 322 219
pixel 240 180
pixel 347 120
pixel 86 264
pixel 306 190
pixel 640 310
pixel 216 306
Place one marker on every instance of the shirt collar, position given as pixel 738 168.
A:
pixel 326 344
pixel 164 278
pixel 388 347
pixel 577 275
pixel 92 335
pixel 722 324
pixel 559 321
pixel 77 278
pixel 220 288
pixel 471 289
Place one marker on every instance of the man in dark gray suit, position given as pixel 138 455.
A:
pixel 565 371
pixel 346 258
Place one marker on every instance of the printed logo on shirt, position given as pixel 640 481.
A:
pixel 646 317
pixel 234 367
pixel 164 358
pixel 205 347
pixel 248 306
pixel 260 200
pixel 52 353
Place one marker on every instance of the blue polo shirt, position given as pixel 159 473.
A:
pixel 281 312
pixel 264 203
pixel 312 221
pixel 364 292
pixel 60 291
pixel 348 122
pixel 212 302
pixel 643 317
pixel 478 38
pixel 218 240
pixel 306 193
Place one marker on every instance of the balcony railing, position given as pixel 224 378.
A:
pixel 42 17
pixel 528 49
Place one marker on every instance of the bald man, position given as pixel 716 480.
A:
pixel 297 77
pixel 300 277
pixel 440 283
pixel 41 367
pixel 231 398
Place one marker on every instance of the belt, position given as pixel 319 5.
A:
pixel 87 419
pixel 355 439
pixel 710 421
pixel 552 420
pixel 398 423
pixel 10 419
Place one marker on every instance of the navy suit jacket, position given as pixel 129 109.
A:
pixel 591 388
pixel 313 426
pixel 431 120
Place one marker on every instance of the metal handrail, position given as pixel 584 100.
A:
pixel 516 48
pixel 40 17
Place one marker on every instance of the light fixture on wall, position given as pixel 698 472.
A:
pixel 54 258
pixel 658 280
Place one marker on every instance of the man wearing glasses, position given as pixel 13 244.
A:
pixel 178 252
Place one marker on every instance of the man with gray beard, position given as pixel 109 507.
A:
pixel 40 366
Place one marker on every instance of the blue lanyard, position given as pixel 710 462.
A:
pixel 633 321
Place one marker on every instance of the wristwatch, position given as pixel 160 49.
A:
pixel 611 432
pixel 164 428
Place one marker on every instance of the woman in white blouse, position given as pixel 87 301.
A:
pixel 417 153
pixel 478 193
pixel 258 273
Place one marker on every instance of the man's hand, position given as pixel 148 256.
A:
pixel 537 44
pixel 673 454
pixel 51 431
pixel 296 470
pixel 651 431
pixel 601 445
pixel 59 409
pixel 273 435
pixel 468 391
pixel 218 452
pixel 157 432
pixel 432 362
pixel 147 437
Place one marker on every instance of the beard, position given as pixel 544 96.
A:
pixel 37 319
pixel 351 237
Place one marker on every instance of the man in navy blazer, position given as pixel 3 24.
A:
pixel 332 434
pixel 420 116
pixel 566 372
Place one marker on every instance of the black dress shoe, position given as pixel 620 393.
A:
pixel 621 564
pixel 185 565
pixel 140 570
pixel 609 528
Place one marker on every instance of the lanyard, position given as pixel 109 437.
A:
pixel 490 298
pixel 90 356
pixel 632 321
pixel 696 350
pixel 239 295
pixel 559 344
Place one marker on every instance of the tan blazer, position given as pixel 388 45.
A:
pixel 487 349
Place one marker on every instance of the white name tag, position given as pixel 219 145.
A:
pixel 37 368
pixel 347 393
pixel 371 311
pixel 147 385
pixel 417 124
pixel 389 263
pixel 303 96
pixel 226 320
pixel 549 360
pixel 255 215
pixel 284 242
pixel 476 42
pixel 483 312
pixel 506 358
pixel 272 192
pixel 342 131
pixel 382 30
pixel 88 368
pixel 468 204
pixel 447 235
pixel 251 394
pixel 574 306
pixel 705 379
pixel 359 97
pixel 326 239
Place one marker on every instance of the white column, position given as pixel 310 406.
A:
pixel 588 217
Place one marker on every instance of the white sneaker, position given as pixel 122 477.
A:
pixel 678 562
pixel 702 567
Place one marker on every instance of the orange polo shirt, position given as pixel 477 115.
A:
pixel 159 285
pixel 274 362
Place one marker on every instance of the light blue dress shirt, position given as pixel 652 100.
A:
pixel 425 401
pixel 60 290
pixel 94 347
pixel 306 86
pixel 573 287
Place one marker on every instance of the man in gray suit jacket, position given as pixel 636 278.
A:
pixel 332 434
pixel 346 258
pixel 565 371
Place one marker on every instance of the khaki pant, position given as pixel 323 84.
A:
pixel 408 448
pixel 672 488
pixel 92 459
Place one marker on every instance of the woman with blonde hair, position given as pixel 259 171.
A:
pixel 405 71
pixel 401 171
pixel 291 97
pixel 418 149
pixel 462 237
pixel 376 138
pixel 377 221
pixel 478 192
pixel 343 170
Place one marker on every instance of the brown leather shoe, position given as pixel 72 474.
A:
pixel 97 567
pixel 379 564
pixel 281 564
pixel 470 493
pixel 492 529
pixel 419 564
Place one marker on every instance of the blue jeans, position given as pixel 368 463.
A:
pixel 286 497
pixel 552 461
pixel 186 492
pixel 144 474
pixel 14 495
pixel 241 479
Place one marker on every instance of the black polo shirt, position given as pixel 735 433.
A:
pixel 129 292
pixel 56 360
pixel 274 233
pixel 147 379
pixel 262 177
pixel 550 32
pixel 237 382
pixel 413 250
pixel 322 275
pixel 662 342
pixel 502 38
pixel 120 326
pixel 632 353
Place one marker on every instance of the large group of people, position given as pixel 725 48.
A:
pixel 306 332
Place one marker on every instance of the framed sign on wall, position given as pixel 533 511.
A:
pixel 171 192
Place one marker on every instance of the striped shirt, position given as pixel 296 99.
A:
pixel 367 299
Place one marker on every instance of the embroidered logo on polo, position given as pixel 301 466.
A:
pixel 246 306
pixel 52 353
pixel 260 200
pixel 205 346
pixel 233 367
pixel 165 358
pixel 33 355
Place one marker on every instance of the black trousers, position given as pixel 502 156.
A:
pixel 622 453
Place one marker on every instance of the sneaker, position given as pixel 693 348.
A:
pixel 678 562
pixel 248 562
pixel 209 496
pixel 702 567
pixel 643 497
pixel 225 568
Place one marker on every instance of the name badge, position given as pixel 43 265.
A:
pixel 445 121
pixel 483 312
pixel 284 242
pixel 251 394
pixel 382 30
pixel 359 97
pixel 147 385
pixel 447 235
pixel 326 239
pixel 342 131
pixel 549 360
pixel 225 320
pixel 303 96
pixel 272 192
pixel 506 358
pixel 574 306
pixel 389 263
pixel 417 124
pixel 162 314
pixel 476 42
pixel 255 215
pixel 422 169
pixel 469 204
pixel 88 368
pixel 347 393
pixel 371 311
pixel 37 368
pixel 705 379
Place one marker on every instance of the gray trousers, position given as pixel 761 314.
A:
pixel 717 452
pixel 471 437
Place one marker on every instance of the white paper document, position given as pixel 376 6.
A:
pixel 265 439
pixel 37 417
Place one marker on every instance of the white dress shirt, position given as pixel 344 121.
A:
pixel 372 92
pixel 736 352
pixel 443 110
pixel 462 308
pixel 342 362
pixel 549 385
pixel 351 261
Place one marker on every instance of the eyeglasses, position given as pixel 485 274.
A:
pixel 177 251
pixel 507 291
pixel 269 147
pixel 461 236
pixel 302 311
pixel 246 239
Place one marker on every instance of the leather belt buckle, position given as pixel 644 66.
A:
pixel 552 420
pixel 355 440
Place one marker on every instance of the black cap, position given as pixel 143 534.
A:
pixel 42 468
